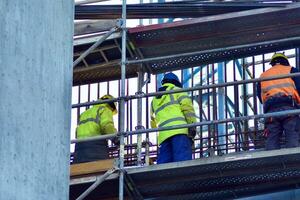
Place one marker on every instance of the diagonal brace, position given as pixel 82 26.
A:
pixel 95 45
pixel 99 180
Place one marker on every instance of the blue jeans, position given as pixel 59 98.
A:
pixel 174 149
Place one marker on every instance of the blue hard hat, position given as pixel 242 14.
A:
pixel 170 77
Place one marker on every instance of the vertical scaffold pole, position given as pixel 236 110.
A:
pixel 139 117
pixel 298 58
pixel 122 102
pixel 159 77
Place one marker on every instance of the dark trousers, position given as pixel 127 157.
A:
pixel 289 125
pixel 91 151
pixel 174 149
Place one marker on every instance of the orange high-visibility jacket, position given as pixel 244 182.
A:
pixel 278 87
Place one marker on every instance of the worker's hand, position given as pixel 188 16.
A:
pixel 116 141
pixel 192 132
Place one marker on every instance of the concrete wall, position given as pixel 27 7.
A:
pixel 35 98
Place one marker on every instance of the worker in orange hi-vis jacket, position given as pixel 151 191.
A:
pixel 279 95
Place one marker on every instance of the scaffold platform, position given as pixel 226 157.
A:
pixel 194 42
pixel 219 177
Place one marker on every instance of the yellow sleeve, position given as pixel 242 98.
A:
pixel 153 120
pixel 107 122
pixel 187 107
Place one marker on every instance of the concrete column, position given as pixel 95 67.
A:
pixel 35 98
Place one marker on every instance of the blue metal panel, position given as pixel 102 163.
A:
pixel 186 77
pixel 239 67
pixel 221 106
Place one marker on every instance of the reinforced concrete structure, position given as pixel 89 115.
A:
pixel 35 90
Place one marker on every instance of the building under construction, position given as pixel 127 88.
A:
pixel 218 49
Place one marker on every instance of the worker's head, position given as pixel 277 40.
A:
pixel 279 58
pixel 112 105
pixel 171 78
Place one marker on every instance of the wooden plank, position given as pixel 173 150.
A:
pixel 91 167
pixel 93 26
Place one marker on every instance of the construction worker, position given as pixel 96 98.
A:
pixel 95 121
pixel 169 110
pixel 279 95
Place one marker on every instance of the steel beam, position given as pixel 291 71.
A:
pixel 168 10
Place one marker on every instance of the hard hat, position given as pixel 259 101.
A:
pixel 171 78
pixel 113 105
pixel 278 55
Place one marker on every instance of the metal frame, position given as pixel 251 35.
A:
pixel 195 175
pixel 196 88
pixel 139 95
pixel 122 102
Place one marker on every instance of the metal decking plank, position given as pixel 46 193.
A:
pixel 218 38
pixel 239 174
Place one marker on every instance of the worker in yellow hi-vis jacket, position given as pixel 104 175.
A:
pixel 169 110
pixel 95 121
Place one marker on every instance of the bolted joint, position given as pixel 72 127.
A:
pixel 139 127
pixel 146 144
pixel 117 164
pixel 246 97
pixel 140 94
pixel 123 62
pixel 120 24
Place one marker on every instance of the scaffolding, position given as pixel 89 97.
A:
pixel 151 51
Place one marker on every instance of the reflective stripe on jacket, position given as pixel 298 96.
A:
pixel 170 110
pixel 278 87
pixel 97 120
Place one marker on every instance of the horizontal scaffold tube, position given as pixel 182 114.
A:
pixel 203 87
pixel 235 119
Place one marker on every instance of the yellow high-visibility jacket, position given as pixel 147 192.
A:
pixel 95 121
pixel 170 110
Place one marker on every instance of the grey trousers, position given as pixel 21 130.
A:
pixel 289 125
pixel 91 151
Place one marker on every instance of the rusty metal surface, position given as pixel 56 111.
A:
pixel 215 38
pixel 226 34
